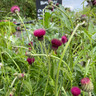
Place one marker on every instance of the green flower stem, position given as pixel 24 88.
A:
pixel 24 48
pixel 23 24
pixel 65 14
pixel 40 42
pixel 45 47
pixel 77 47
pixel 3 66
pixel 12 60
pixel 13 82
pixel 48 75
pixel 21 47
pixel 25 30
pixel 89 93
pixel 43 14
pixel 52 56
pixel 57 76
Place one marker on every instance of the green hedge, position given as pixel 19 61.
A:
pixel 27 7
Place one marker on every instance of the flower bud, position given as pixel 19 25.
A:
pixel 86 85
pixel 28 54
pixel 50 2
pixel 11 94
pixel 20 75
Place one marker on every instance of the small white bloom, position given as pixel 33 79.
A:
pixel 1 65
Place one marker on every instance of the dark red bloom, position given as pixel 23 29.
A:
pixel 31 43
pixel 64 39
pixel 56 43
pixel 94 2
pixel 39 33
pixel 51 8
pixel 75 91
pixel 30 60
pixel 85 80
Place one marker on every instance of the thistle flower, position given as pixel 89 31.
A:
pixel 75 91
pixel 64 39
pixel 57 4
pixel 20 75
pixel 30 60
pixel 18 28
pixel 11 94
pixel 15 8
pixel 86 85
pixel 39 33
pixel 50 2
pixel 31 43
pixel 94 2
pixel 51 8
pixel 56 43
pixel 83 17
pixel 30 48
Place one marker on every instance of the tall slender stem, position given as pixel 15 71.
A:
pixel 89 93
pixel 48 76
pixel 57 76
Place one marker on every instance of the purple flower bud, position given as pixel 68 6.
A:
pixel 30 60
pixel 31 43
pixel 56 43
pixel 64 39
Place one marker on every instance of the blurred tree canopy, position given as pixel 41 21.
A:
pixel 27 7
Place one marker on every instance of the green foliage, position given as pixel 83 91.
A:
pixel 27 7
pixel 53 73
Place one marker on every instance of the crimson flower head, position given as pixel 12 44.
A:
pixel 56 43
pixel 14 8
pixel 30 60
pixel 39 33
pixel 64 39
pixel 75 91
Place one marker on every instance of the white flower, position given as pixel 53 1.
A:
pixel 1 65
